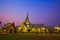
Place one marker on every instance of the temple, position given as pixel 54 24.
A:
pixel 27 22
pixel 25 26
pixel 8 28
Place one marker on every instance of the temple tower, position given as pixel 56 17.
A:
pixel 27 22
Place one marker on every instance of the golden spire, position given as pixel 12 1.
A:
pixel 27 18
pixel 27 15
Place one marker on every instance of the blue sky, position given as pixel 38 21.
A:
pixel 40 11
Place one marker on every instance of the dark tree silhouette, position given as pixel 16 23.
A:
pixel 0 22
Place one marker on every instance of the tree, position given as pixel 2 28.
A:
pixel 0 22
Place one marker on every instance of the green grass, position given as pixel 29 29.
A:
pixel 29 36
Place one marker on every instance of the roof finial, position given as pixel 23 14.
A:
pixel 27 14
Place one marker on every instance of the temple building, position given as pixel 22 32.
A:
pixel 39 29
pixel 27 23
pixel 25 26
pixel 57 29
pixel 8 28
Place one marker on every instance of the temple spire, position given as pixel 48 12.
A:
pixel 27 21
pixel 27 15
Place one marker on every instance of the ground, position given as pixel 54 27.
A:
pixel 29 36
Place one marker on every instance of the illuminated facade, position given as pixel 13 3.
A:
pixel 57 29
pixel 25 26
pixel 27 23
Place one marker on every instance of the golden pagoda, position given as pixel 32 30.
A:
pixel 27 22
pixel 25 26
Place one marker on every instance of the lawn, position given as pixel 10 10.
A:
pixel 29 36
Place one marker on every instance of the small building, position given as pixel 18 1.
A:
pixel 39 30
pixel 9 28
pixel 57 29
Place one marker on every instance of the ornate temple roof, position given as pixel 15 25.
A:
pixel 27 21
pixel 8 25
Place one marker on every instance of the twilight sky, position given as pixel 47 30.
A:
pixel 40 11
